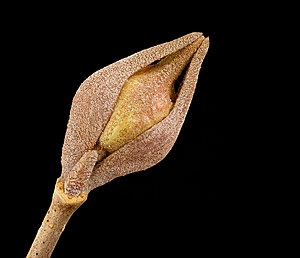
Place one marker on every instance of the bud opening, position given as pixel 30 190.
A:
pixel 146 98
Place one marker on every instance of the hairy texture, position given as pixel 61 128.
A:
pixel 77 178
pixel 152 146
pixel 93 105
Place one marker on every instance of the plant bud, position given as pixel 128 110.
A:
pixel 130 113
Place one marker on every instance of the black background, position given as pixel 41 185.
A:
pixel 47 52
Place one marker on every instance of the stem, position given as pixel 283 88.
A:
pixel 60 211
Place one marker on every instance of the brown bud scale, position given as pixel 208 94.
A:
pixel 94 103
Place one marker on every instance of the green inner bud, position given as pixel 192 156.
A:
pixel 145 99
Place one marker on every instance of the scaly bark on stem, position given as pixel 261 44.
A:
pixel 60 211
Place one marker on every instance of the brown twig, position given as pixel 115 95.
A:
pixel 60 211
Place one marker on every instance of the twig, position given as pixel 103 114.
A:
pixel 60 211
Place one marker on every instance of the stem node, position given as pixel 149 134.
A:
pixel 60 211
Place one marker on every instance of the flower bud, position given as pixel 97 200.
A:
pixel 130 112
